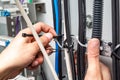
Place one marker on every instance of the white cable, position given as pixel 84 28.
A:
pixel 36 38
pixel 58 43
pixel 81 44
pixel 25 72
pixel 84 45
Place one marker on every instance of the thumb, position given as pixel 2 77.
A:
pixel 45 39
pixel 93 70
pixel 93 53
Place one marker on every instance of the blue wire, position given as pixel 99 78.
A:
pixel 57 31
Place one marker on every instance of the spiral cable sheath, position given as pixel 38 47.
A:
pixel 97 19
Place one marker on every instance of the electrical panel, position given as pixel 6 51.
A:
pixel 11 22
pixel 8 8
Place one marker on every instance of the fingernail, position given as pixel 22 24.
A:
pixel 35 63
pixel 95 42
pixel 49 35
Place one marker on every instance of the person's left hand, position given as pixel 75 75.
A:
pixel 24 52
pixel 96 70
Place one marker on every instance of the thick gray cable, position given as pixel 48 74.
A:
pixel 36 38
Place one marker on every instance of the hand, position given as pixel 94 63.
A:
pixel 96 70
pixel 24 52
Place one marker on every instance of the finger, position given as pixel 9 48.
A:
pixel 13 74
pixel 45 39
pixel 38 27
pixel 39 60
pixel 93 54
pixel 93 71
pixel 105 72
pixel 45 28
pixel 49 49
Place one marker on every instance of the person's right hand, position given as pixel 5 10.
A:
pixel 24 52
pixel 96 70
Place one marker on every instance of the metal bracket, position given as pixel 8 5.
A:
pixel 106 49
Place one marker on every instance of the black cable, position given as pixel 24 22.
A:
pixel 43 74
pixel 82 33
pixel 31 35
pixel 60 40
pixel 114 64
pixel 116 37
pixel 54 19
pixel 116 56
pixel 69 39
